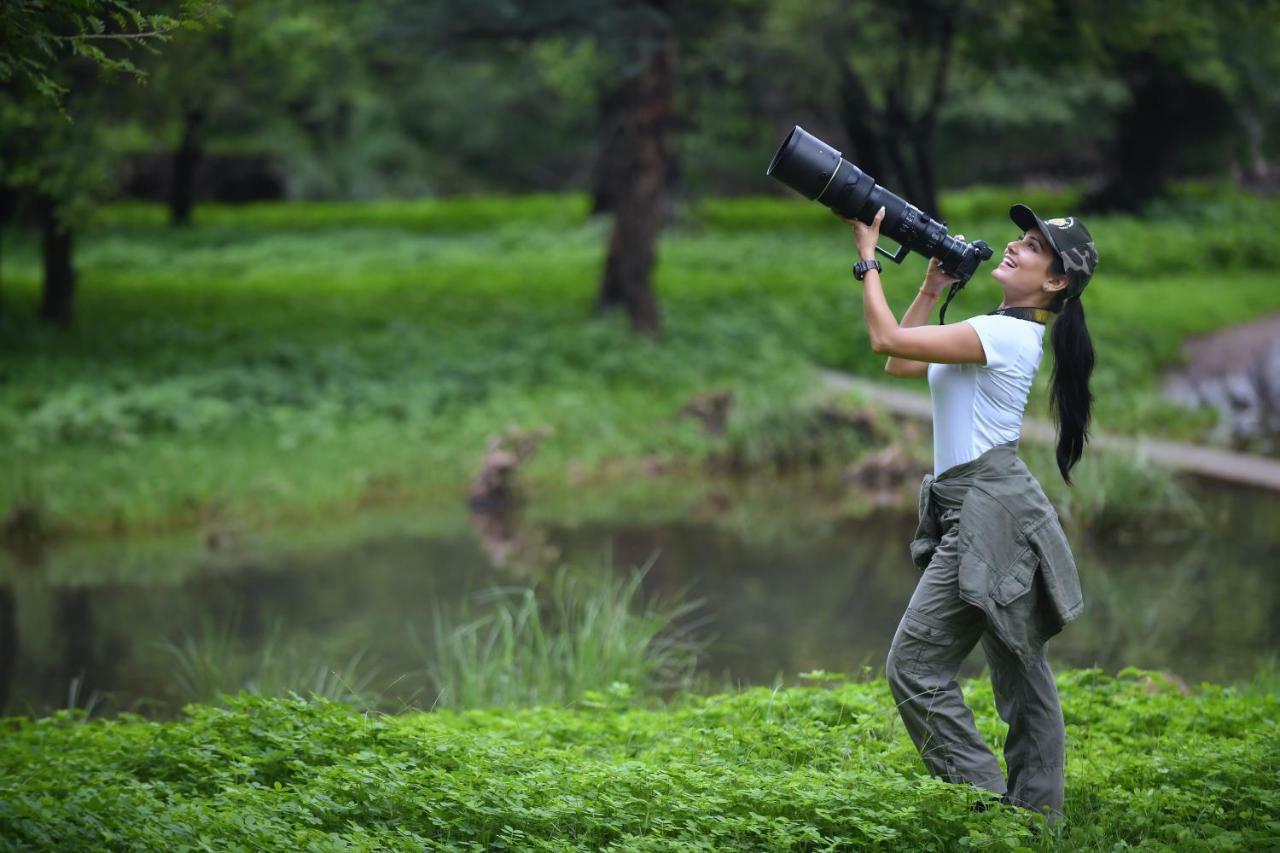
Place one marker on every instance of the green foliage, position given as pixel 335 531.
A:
pixel 1116 494
pixel 781 425
pixel 821 767
pixel 229 224
pixel 580 633
pixel 54 53
pixel 35 35
pixel 283 356
pixel 210 666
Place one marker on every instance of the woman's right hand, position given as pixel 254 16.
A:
pixel 935 280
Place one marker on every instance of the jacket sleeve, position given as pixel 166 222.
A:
pixel 1058 571
pixel 928 531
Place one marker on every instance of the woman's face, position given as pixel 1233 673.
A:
pixel 1024 268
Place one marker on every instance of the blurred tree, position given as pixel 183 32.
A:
pixel 1137 91
pixel 1170 57
pixel 643 40
pixel 886 69
pixel 1178 80
pixel 277 71
pixel 1247 37
pixel 484 116
pixel 639 36
pixel 55 168
pixel 36 35
pixel 54 105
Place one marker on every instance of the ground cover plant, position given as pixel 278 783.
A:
pixel 822 767
pixel 288 359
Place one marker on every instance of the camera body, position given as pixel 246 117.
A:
pixel 819 172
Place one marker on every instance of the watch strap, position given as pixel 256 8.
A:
pixel 861 268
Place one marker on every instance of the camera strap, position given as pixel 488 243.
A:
pixel 955 288
pixel 1026 312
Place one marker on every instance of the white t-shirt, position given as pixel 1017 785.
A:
pixel 977 406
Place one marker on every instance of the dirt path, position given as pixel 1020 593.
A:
pixel 1208 461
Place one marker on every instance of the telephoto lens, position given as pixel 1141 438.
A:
pixel 819 172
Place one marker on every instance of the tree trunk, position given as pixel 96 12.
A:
pixel 59 273
pixel 185 162
pixel 885 144
pixel 607 173
pixel 923 132
pixel 861 120
pixel 644 162
pixel 928 200
pixel 895 144
pixel 897 147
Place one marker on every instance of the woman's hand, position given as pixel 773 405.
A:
pixel 935 280
pixel 866 236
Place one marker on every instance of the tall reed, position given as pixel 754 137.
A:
pixel 213 662
pixel 553 641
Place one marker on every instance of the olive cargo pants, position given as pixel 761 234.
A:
pixel 935 635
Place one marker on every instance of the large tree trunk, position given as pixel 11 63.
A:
pixel 59 273
pixel 185 162
pixel 640 199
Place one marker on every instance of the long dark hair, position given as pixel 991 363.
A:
pixel 1069 397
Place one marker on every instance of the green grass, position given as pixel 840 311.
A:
pixel 584 633
pixel 209 664
pixel 826 767
pixel 291 360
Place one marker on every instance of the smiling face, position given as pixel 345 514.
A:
pixel 1025 271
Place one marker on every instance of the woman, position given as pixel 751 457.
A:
pixel 995 563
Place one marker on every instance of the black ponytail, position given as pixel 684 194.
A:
pixel 1069 397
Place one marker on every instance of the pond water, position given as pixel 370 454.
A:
pixel 790 584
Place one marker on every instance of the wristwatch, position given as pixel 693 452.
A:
pixel 861 268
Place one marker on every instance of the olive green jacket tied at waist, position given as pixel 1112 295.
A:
pixel 1015 561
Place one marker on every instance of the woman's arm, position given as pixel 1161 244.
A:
pixel 954 344
pixel 917 315
pixel 935 281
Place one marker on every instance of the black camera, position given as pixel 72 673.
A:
pixel 817 171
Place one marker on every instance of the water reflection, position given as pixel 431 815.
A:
pixel 8 644
pixel 792 583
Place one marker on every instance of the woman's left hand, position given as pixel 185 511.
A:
pixel 866 236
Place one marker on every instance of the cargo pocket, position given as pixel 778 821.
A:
pixel 1016 581
pixel 922 630
pixel 928 647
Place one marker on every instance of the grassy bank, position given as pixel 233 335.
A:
pixel 806 768
pixel 282 360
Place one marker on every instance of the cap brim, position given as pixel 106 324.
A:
pixel 1026 219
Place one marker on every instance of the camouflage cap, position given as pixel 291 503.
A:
pixel 1068 237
